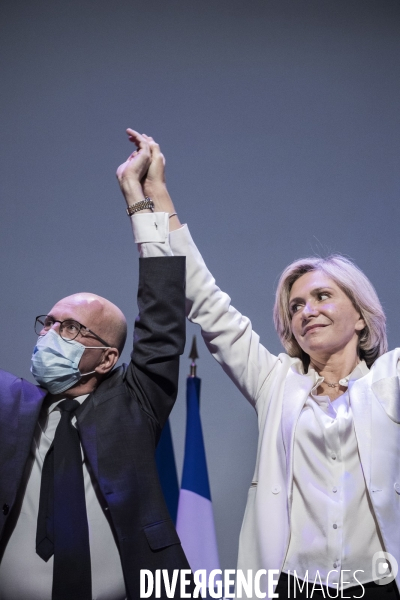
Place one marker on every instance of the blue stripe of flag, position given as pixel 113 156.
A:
pixel 194 476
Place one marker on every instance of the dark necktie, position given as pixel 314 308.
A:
pixel 62 527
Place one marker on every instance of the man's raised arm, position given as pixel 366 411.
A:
pixel 159 336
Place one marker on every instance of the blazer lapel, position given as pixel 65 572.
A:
pixel 296 391
pixel 360 402
pixel 388 393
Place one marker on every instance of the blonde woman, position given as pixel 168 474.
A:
pixel 325 498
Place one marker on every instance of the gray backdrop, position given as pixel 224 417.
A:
pixel 280 123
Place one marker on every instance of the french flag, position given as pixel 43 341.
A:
pixel 195 520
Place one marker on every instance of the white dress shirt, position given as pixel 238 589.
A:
pixel 333 527
pixel 23 574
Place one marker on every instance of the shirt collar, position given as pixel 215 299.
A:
pixel 359 371
pixel 54 405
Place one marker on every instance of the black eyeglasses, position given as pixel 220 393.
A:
pixel 69 329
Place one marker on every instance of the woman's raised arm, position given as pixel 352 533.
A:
pixel 228 334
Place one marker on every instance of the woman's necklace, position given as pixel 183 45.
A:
pixel 337 384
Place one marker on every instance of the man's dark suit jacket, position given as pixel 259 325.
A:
pixel 119 426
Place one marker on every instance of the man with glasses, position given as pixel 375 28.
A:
pixel 81 507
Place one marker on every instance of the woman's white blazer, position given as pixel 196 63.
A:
pixel 277 387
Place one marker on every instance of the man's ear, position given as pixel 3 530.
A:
pixel 110 358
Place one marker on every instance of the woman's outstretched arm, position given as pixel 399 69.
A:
pixel 227 333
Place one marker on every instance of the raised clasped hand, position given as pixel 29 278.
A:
pixel 143 174
pixel 135 168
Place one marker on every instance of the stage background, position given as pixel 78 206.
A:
pixel 280 123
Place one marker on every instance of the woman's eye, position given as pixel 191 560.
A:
pixel 294 308
pixel 323 295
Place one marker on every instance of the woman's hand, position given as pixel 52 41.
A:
pixel 154 184
pixel 155 177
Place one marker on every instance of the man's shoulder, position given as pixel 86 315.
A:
pixel 8 379
pixel 12 386
pixel 114 380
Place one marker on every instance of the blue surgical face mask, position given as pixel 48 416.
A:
pixel 55 362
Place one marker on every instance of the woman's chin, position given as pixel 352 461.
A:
pixel 318 350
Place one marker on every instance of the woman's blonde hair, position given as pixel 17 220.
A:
pixel 356 286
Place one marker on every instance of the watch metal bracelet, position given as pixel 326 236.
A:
pixel 141 205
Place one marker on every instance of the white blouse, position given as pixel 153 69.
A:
pixel 332 525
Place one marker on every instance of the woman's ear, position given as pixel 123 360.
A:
pixel 360 324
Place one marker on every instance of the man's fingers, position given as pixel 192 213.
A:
pixel 145 145
pixel 140 141
pixel 133 133
pixel 136 138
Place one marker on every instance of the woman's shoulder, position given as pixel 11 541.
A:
pixel 291 362
pixel 283 365
pixel 385 366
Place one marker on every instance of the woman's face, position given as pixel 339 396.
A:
pixel 324 320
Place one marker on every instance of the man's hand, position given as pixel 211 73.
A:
pixel 132 172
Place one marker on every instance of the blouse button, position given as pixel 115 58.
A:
pixel 276 489
pixel 334 526
pixel 397 487
pixel 334 490
pixel 333 456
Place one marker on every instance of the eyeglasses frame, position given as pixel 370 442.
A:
pixel 86 329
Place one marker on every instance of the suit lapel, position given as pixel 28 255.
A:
pixel 87 415
pixel 296 391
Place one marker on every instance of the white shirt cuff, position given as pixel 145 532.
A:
pixel 150 227
pixel 151 233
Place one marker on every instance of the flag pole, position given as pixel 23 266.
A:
pixel 193 355
pixel 195 520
